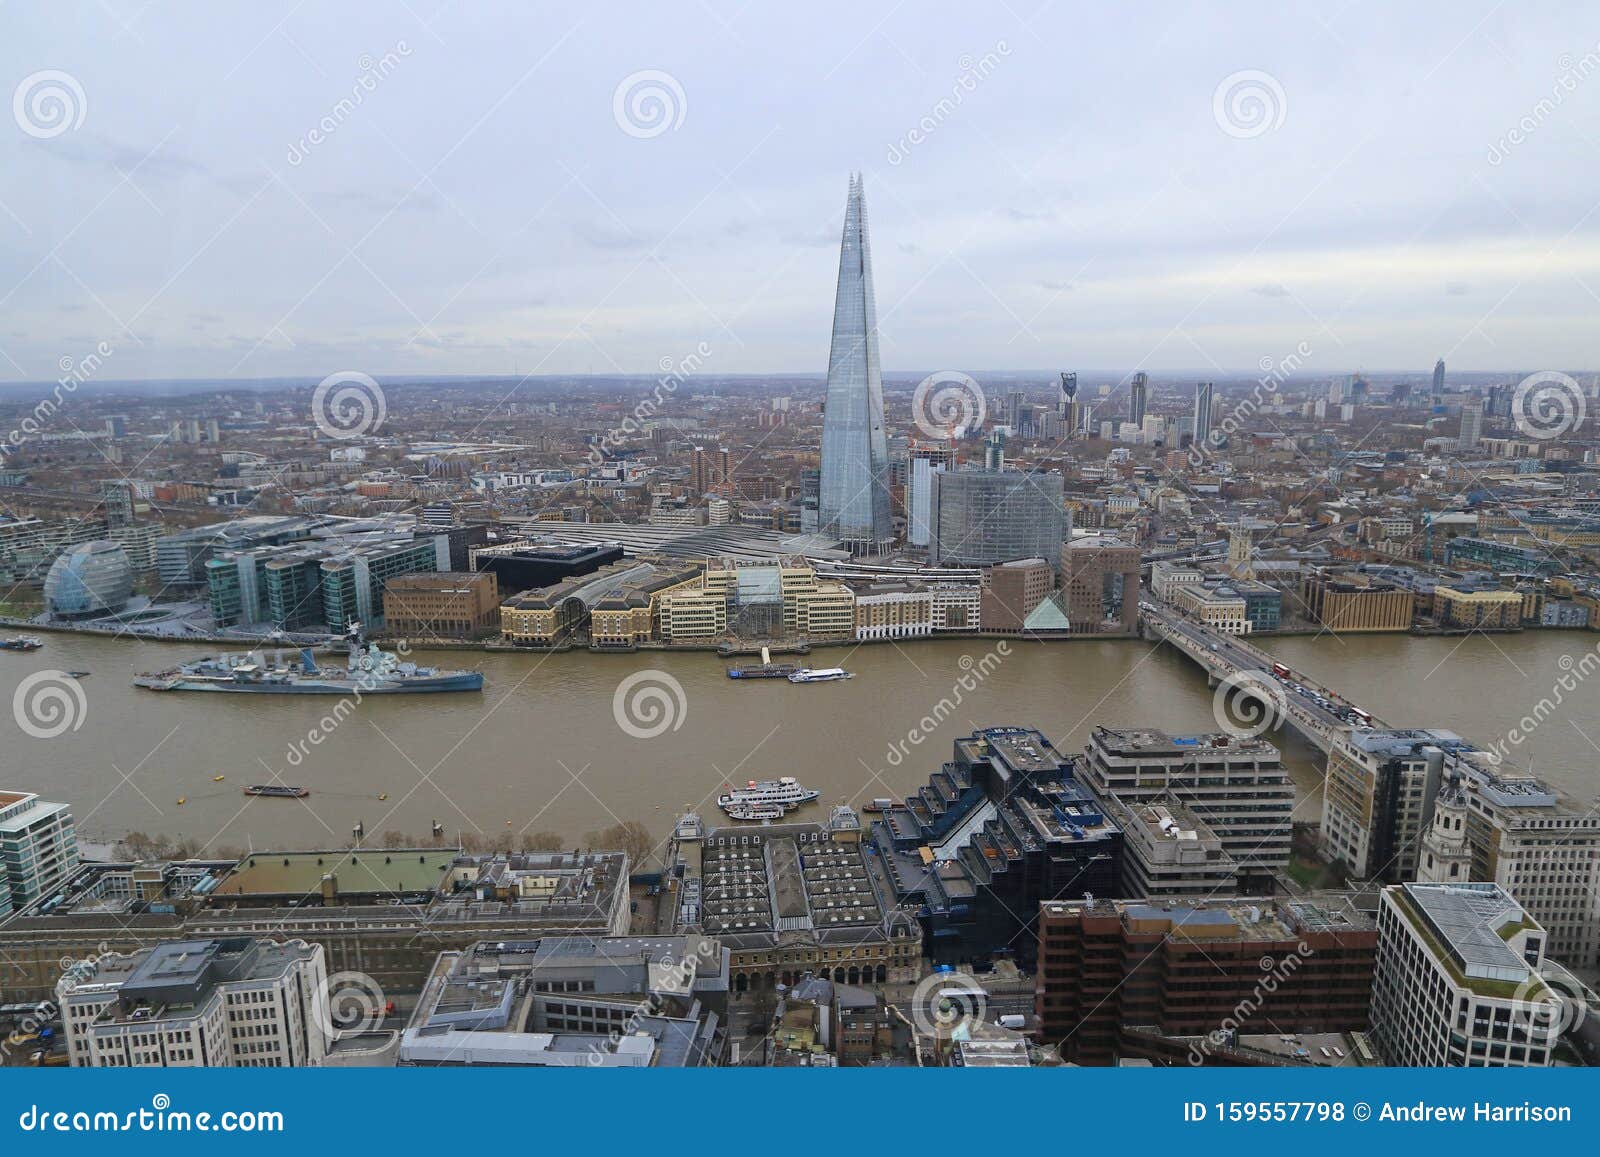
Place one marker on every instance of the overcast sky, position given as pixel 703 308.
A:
pixel 484 202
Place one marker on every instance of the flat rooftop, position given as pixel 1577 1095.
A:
pixel 1149 741
pixel 1472 922
pixel 367 870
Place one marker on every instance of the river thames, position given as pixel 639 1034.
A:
pixel 542 748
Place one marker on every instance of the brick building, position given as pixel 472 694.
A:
pixel 1193 969
pixel 453 605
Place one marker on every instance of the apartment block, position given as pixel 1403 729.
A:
pixel 38 848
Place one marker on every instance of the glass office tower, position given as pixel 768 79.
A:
pixel 854 498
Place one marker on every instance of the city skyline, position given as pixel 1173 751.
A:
pixel 376 703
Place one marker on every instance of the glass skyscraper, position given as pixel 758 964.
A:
pixel 854 499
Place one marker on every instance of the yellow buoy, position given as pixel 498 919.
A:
pixel 508 823
pixel 181 798
pixel 218 778
pixel 383 796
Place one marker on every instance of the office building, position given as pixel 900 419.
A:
pixel 922 461
pixel 1100 575
pixel 215 1003
pixel 117 496
pixel 1216 606
pixel 181 557
pixel 1117 976
pixel 1238 788
pixel 445 605
pixel 1500 557
pixel 1378 796
pixel 526 566
pixel 574 1002
pixel 893 610
pixel 1458 981
pixel 1540 846
pixel 983 517
pixel 1437 393
pixel 854 499
pixel 1169 853
pixel 1002 826
pixel 38 849
pixel 1012 592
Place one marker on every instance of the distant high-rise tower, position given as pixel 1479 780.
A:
pixel 1202 413
pixel 1016 400
pixel 1471 424
pixel 1138 398
pixel 854 499
pixel 994 451
pixel 1070 409
pixel 1438 382
pixel 117 497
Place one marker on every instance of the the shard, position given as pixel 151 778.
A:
pixel 854 499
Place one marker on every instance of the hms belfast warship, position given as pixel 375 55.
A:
pixel 369 671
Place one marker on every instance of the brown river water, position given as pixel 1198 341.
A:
pixel 542 747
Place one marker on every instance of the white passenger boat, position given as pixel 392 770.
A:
pixel 784 793
pixel 819 675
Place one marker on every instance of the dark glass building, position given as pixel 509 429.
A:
pixel 996 830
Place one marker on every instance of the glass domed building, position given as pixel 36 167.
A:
pixel 93 578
